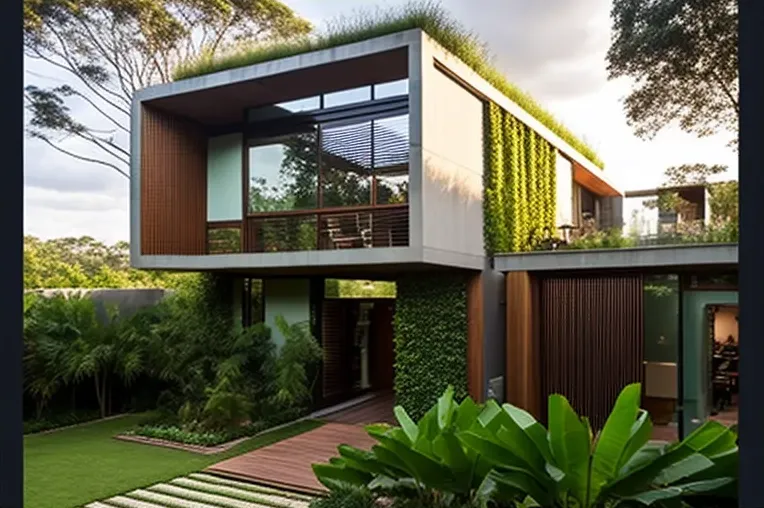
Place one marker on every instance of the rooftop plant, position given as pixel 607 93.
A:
pixel 426 15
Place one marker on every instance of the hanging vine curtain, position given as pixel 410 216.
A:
pixel 519 202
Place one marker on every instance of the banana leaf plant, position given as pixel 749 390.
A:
pixel 476 455
pixel 567 466
pixel 423 459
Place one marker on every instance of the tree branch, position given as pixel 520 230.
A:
pixel 726 90
pixel 84 81
pixel 82 157
pixel 74 69
pixel 97 108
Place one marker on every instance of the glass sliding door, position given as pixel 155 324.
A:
pixel 660 395
pixel 699 308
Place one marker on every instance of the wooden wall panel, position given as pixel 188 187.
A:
pixel 173 185
pixel 475 329
pixel 591 340
pixel 335 342
pixel 522 363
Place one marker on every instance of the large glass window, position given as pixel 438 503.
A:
pixel 350 96
pixel 283 174
pixel 346 154
pixel 391 159
pixel 391 89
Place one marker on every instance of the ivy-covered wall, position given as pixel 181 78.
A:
pixel 519 184
pixel 430 339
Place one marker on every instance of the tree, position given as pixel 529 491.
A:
pixel 86 263
pixel 683 56
pixel 111 49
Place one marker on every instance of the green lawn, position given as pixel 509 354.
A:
pixel 74 466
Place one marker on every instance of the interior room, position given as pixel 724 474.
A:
pixel 724 363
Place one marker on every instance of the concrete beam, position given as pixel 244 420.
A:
pixel 638 257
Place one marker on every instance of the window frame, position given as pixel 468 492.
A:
pixel 271 131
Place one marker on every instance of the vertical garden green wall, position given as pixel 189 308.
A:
pixel 519 184
pixel 430 339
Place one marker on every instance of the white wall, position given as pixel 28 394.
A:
pixel 289 298
pixel 224 178
pixel 452 172
pixel 564 183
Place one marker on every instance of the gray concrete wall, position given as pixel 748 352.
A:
pixel 289 298
pixel 637 257
pixel 452 162
pixel 612 212
pixel 494 332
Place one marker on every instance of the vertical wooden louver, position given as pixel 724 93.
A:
pixel 591 340
pixel 334 342
pixel 173 185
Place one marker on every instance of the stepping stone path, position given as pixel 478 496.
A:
pixel 201 490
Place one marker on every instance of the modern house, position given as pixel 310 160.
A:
pixel 391 159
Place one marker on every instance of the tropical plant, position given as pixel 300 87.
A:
pixel 475 455
pixel 67 343
pixel 346 498
pixel 297 363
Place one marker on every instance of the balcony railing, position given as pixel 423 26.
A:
pixel 325 229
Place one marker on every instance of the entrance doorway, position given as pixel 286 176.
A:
pixel 723 340
pixel 357 339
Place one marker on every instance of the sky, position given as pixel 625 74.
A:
pixel 553 49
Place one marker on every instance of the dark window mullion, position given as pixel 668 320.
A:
pixel 320 179
pixel 372 165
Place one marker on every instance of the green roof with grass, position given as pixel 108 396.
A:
pixel 427 16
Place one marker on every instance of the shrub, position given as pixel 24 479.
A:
pixel 60 420
pixel 346 498
pixel 468 454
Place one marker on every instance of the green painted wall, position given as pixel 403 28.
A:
pixel 661 301
pixel 695 334
pixel 289 298
pixel 224 166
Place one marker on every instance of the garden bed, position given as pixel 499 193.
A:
pixel 206 443
pixel 165 443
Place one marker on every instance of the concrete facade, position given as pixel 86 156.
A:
pixel 638 257
pixel 445 162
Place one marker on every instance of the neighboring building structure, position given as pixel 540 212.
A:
pixel 386 159
pixel 654 220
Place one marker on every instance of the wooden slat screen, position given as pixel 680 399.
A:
pixel 334 341
pixel 522 383
pixel 173 185
pixel 475 328
pixel 591 340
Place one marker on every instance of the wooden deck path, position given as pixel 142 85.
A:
pixel 377 410
pixel 287 464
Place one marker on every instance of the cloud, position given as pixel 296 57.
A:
pixel 553 48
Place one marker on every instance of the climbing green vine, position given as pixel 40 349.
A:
pixel 430 339
pixel 519 184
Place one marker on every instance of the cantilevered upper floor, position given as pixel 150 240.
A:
pixel 371 156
